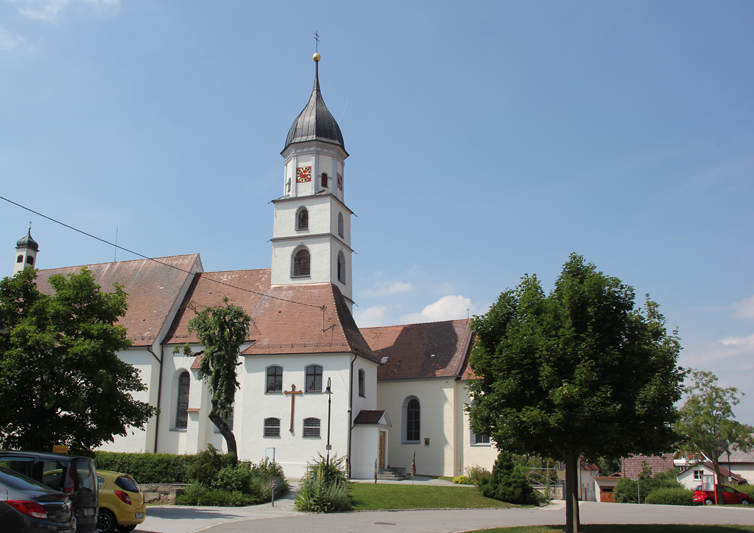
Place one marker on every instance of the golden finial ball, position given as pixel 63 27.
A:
pixel 316 56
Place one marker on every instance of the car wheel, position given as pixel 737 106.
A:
pixel 708 501
pixel 126 529
pixel 106 522
pixel 745 502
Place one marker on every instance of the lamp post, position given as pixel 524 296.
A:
pixel 328 391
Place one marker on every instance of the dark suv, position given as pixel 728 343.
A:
pixel 74 475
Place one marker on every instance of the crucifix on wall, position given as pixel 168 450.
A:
pixel 293 392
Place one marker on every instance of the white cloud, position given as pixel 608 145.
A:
pixel 446 308
pixel 49 9
pixel 744 308
pixel 371 316
pixel 8 40
pixel 385 288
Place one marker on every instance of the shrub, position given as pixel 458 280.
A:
pixel 625 491
pixel 146 467
pixel 673 496
pixel 205 465
pixel 507 483
pixel 270 476
pixel 477 473
pixel 336 472
pixel 234 478
pixel 315 496
pixel 748 489
pixel 462 480
pixel 200 494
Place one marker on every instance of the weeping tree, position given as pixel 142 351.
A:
pixel 578 371
pixel 221 330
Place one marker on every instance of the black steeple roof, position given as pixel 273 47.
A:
pixel 28 242
pixel 315 122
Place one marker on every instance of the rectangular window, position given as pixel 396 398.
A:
pixel 271 427
pixel 479 440
pixel 311 427
pixel 362 385
pixel 275 379
pixel 314 378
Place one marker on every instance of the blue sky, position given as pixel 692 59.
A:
pixel 487 140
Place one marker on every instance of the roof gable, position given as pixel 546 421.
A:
pixel 154 288
pixel 429 350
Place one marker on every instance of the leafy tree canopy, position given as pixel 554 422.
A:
pixel 221 330
pixel 578 371
pixel 707 422
pixel 61 381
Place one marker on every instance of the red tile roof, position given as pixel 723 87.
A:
pixel 434 349
pixel 632 466
pixel 152 289
pixel 286 319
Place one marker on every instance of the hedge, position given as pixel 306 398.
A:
pixel 147 467
pixel 670 497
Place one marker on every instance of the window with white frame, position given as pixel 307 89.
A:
pixel 314 378
pixel 411 420
pixel 271 427
pixel 274 379
pixel 311 427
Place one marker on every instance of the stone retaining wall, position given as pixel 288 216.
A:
pixel 161 493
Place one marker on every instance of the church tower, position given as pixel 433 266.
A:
pixel 312 229
pixel 26 253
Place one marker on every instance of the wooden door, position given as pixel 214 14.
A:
pixel 382 449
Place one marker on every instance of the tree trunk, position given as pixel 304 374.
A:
pixel 573 522
pixel 225 430
pixel 716 480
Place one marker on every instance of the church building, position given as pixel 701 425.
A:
pixel 386 396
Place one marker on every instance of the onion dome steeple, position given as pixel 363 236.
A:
pixel 26 253
pixel 28 242
pixel 315 122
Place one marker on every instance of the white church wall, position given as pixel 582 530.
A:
pixel 483 455
pixel 320 266
pixel 369 401
pixel 366 440
pixel 291 449
pixel 437 402
pixel 137 440
pixel 172 439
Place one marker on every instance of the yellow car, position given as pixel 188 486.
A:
pixel 121 503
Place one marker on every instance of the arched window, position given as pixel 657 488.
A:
pixel 324 180
pixel 362 384
pixel 340 224
pixel 181 410
pixel 271 427
pixel 29 260
pixel 274 379
pixel 301 263
pixel 314 378
pixel 302 219
pixel 311 427
pixel 20 259
pixel 411 420
pixel 341 268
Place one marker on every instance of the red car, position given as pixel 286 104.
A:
pixel 728 494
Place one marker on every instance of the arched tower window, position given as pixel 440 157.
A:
pixel 29 260
pixel 20 258
pixel 301 263
pixel 182 401
pixel 324 180
pixel 341 268
pixel 302 219
pixel 411 420
pixel 314 378
pixel 340 225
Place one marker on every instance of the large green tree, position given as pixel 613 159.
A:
pixel 221 330
pixel 578 371
pixel 708 424
pixel 61 381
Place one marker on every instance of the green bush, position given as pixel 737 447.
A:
pixel 673 496
pixel 146 467
pixel 508 483
pixel 477 473
pixel 234 479
pixel 200 494
pixel 337 469
pixel 462 480
pixel 625 491
pixel 314 496
pixel 206 464
pixel 270 476
pixel 748 489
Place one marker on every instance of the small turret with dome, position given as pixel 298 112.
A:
pixel 26 252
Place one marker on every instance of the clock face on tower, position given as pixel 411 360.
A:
pixel 303 174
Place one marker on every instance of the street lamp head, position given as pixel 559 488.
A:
pixel 328 390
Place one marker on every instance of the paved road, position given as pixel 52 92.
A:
pixel 283 519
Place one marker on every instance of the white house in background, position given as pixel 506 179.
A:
pixel 741 463
pixel 703 474
pixel 396 391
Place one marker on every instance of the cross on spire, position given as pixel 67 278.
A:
pixel 316 43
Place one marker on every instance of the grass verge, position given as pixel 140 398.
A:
pixel 371 497
pixel 614 528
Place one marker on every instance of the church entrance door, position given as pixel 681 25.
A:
pixel 382 449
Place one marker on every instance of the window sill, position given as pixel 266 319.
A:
pixel 311 437
pixel 481 445
pixel 362 395
pixel 305 276
pixel 271 436
pixel 411 442
pixel 274 392
pixel 179 430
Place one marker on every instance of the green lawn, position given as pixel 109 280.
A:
pixel 623 529
pixel 370 497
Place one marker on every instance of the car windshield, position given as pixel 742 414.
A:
pixel 20 481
